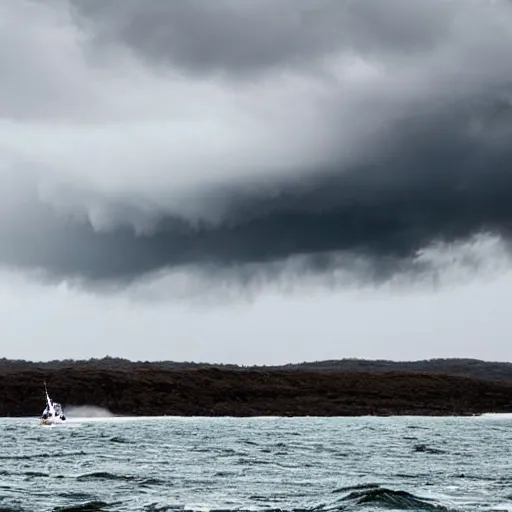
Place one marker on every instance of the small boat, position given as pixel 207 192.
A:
pixel 53 413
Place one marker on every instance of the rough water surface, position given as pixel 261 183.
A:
pixel 267 464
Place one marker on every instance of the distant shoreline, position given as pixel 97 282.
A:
pixel 79 419
pixel 475 368
pixel 149 389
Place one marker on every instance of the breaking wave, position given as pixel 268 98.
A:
pixel 381 497
pixel 88 506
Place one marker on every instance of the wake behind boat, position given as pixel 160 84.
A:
pixel 53 413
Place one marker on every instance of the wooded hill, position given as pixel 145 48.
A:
pixel 473 368
pixel 328 388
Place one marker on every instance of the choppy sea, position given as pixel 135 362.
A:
pixel 257 464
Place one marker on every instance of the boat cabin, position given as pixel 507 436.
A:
pixel 54 412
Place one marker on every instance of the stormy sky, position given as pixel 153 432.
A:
pixel 255 181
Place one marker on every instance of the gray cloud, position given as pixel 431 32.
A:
pixel 367 129
pixel 253 36
pixel 435 179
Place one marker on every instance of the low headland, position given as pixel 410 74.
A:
pixel 348 387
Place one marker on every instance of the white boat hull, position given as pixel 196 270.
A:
pixel 52 421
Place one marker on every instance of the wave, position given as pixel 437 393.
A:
pixel 89 506
pixel 376 496
pixel 357 487
pixel 119 439
pixel 422 448
pixel 35 474
pixel 106 475
pixel 359 498
pixel 43 455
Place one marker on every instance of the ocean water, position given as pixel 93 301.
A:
pixel 267 464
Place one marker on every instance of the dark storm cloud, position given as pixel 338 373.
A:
pixel 390 131
pixel 443 176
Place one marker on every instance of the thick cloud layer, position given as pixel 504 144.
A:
pixel 137 136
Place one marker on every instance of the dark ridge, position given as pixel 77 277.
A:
pixel 473 368
pixel 148 390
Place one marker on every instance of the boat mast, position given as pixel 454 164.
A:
pixel 47 397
